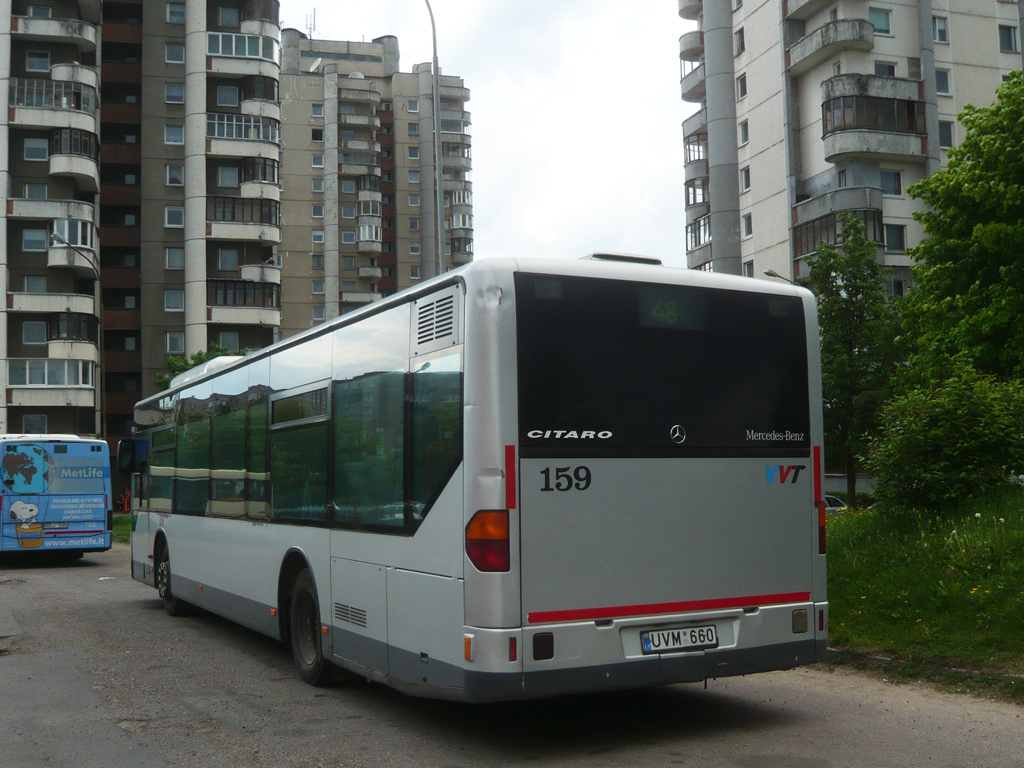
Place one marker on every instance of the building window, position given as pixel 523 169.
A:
pixel 348 186
pixel 745 178
pixel 348 211
pixel 174 300
pixel 318 236
pixel 885 69
pixel 318 185
pixel 741 43
pixel 748 224
pixel 227 258
pixel 36 150
pixel 895 238
pixel 318 210
pixel 34 240
pixel 748 268
pixel 33 333
pixel 874 113
pixel 414 201
pixel 227 176
pixel 37 61
pixel 880 20
pixel 35 284
pixel 228 16
pixel 174 216
pixel 174 53
pixel 174 93
pixel 318 261
pixel 414 129
pixel 318 287
pixel 414 153
pixel 414 271
pixel 945 134
pixel 741 87
pixel 415 249
pixel 35 191
pixel 414 105
pixel 318 110
pixel 744 132
pixel 940 29
pixel 892 183
pixel 227 95
pixel 175 13
pixel 318 135
pixel 318 314
pixel 40 12
pixel 174 258
pixel 414 177
pixel 174 134
pixel 33 423
pixel 348 262
pixel 841 178
pixel 229 340
pixel 414 223
pixel 175 175
pixel 174 342
pixel 348 236
pixel 1008 39
pixel 943 85
pixel 318 160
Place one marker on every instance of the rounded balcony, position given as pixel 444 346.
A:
pixel 265 150
pixel 261 108
pixel 242 67
pixel 77 349
pixel 371 122
pixel 82 260
pixel 84 170
pixel 261 273
pixel 83 35
pixel 691 46
pixel 691 9
pixel 20 208
pixel 45 103
pixel 260 190
pixel 261 28
pixel 828 40
pixel 358 95
pixel 76 73
pixel 693 85
pixel 52 303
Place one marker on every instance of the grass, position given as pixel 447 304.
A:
pixel 122 528
pixel 935 597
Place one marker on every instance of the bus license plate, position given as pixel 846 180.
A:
pixel 680 639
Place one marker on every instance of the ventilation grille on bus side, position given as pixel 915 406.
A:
pixel 435 320
pixel 350 615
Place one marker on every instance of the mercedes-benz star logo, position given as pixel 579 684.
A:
pixel 678 434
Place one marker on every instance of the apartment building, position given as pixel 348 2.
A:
pixel 811 108
pixel 254 182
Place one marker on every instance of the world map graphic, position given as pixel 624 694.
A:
pixel 27 469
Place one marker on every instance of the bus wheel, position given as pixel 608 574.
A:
pixel 173 605
pixel 304 623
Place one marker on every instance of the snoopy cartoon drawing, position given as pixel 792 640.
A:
pixel 30 533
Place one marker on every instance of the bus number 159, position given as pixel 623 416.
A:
pixel 566 478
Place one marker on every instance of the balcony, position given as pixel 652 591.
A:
pixel 76 73
pixel 43 103
pixel 63 349
pixel 366 94
pixel 43 31
pixel 371 122
pixel 51 303
pixel 79 258
pixel 21 208
pixel 261 273
pixel 243 218
pixel 691 46
pixel 454 92
pixel 867 116
pixel 827 41
pixel 802 9
pixel 371 273
pixel 42 382
pixel 698 121
pixel 261 108
pixel 243 302
pixel 360 297
pixel 261 28
pixel 693 85
pixel 691 9
pixel 836 201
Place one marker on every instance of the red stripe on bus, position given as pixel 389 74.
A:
pixel 817 473
pixel 510 477
pixel 622 611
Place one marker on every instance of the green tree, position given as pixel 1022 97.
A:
pixel 948 441
pixel 176 365
pixel 969 298
pixel 858 342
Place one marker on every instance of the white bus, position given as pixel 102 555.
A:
pixel 524 478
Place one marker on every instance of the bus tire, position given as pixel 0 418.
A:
pixel 173 605
pixel 304 623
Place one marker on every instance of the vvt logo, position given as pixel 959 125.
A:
pixel 783 473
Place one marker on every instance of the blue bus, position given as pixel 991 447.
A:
pixel 55 494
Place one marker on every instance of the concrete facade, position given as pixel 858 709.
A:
pixel 831 106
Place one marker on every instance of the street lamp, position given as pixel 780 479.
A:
pixel 773 273
pixel 56 239
pixel 438 191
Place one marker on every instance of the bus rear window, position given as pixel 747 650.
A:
pixel 609 368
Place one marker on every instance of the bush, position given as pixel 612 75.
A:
pixel 944 444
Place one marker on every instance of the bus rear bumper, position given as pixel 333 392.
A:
pixel 641 673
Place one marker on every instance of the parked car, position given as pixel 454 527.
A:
pixel 833 504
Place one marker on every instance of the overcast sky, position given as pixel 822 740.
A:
pixel 577 144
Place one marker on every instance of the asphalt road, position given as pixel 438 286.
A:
pixel 94 673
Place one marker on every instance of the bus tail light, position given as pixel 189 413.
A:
pixel 487 544
pixel 821 527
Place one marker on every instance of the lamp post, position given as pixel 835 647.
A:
pixel 56 239
pixel 773 273
pixel 438 190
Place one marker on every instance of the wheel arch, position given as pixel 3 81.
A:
pixel 294 563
